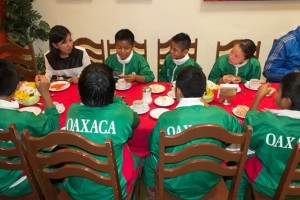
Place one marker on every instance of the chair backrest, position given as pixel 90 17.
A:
pixel 225 48
pixel 140 48
pixel 23 58
pixel 163 49
pixel 94 50
pixel 198 149
pixel 290 174
pixel 76 162
pixel 17 150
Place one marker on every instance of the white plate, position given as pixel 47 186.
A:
pixel 146 109
pixel 33 109
pixel 164 101
pixel 234 112
pixel 128 85
pixel 251 88
pixel 63 85
pixel 155 113
pixel 156 88
pixel 170 94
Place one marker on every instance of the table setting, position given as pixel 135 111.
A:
pixel 149 100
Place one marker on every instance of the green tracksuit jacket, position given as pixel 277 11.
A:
pixel 115 121
pixel 192 185
pixel 38 125
pixel 251 70
pixel 138 64
pixel 165 74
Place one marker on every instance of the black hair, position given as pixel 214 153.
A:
pixel 192 82
pixel 57 34
pixel 125 34
pixel 183 40
pixel 290 86
pixel 248 47
pixel 96 85
pixel 9 78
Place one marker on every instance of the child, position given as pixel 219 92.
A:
pixel 275 133
pixel 63 58
pixel 190 85
pixel 178 59
pixel 101 116
pixel 37 125
pixel 126 63
pixel 238 66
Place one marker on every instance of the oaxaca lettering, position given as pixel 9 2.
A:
pixel 88 126
pixel 280 141
pixel 171 130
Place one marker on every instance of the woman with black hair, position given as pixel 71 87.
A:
pixel 64 59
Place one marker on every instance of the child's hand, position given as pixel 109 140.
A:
pixel 42 84
pixel 228 78
pixel 263 90
pixel 236 79
pixel 74 79
pixel 130 78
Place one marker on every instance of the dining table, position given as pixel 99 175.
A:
pixel 138 143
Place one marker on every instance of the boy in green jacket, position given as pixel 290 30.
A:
pixel 126 63
pixel 275 133
pixel 178 59
pixel 190 86
pixel 14 182
pixel 101 116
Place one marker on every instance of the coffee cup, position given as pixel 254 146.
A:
pixel 122 83
pixel 173 91
pixel 138 106
pixel 254 83
pixel 59 107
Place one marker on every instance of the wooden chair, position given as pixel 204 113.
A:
pixel 225 48
pixel 76 162
pixel 94 50
pixel 163 49
pixel 23 58
pixel 196 132
pixel 22 164
pixel 291 173
pixel 140 48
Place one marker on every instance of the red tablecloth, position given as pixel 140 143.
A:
pixel 139 142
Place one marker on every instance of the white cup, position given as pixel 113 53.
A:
pixel 59 107
pixel 138 106
pixel 254 83
pixel 173 91
pixel 122 83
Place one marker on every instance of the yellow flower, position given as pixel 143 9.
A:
pixel 26 90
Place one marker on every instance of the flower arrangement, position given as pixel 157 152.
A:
pixel 210 88
pixel 27 94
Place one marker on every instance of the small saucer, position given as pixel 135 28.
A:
pixel 146 109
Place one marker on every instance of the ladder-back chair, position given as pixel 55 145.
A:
pixel 140 48
pixel 93 49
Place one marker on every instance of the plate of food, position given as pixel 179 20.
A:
pixel 156 88
pixel 59 86
pixel 240 111
pixel 155 113
pixel 164 101
pixel 33 109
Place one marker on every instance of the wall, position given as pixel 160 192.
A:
pixel 153 19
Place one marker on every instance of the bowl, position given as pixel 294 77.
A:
pixel 208 98
pixel 31 101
